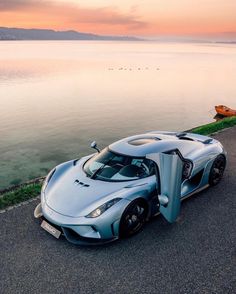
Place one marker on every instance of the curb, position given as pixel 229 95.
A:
pixel 12 188
pixel 221 131
pixel 19 204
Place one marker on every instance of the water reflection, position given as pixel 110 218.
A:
pixel 56 97
pixel 25 69
pixel 218 117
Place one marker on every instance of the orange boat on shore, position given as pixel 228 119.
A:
pixel 224 110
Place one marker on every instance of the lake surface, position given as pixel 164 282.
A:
pixel 58 96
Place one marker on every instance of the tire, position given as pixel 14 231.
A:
pixel 217 170
pixel 133 218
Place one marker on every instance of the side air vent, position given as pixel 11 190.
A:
pixel 143 141
pixel 207 141
pixel 181 134
pixel 75 161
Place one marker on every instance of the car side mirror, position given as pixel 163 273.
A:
pixel 94 146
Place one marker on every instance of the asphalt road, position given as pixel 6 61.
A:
pixel 195 255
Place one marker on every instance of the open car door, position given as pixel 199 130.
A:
pixel 169 179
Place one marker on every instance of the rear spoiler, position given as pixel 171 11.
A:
pixel 187 136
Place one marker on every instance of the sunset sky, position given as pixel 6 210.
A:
pixel 123 17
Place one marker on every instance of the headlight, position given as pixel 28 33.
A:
pixel 98 211
pixel 48 178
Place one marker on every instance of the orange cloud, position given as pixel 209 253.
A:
pixel 158 17
pixel 48 14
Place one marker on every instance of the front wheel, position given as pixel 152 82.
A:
pixel 133 218
pixel 217 170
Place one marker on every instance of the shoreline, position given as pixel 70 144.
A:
pixel 30 182
pixel 25 192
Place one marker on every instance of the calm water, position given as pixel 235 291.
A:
pixel 56 97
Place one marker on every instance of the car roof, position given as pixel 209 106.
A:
pixel 154 142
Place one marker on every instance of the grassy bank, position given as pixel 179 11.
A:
pixel 211 128
pixel 19 195
pixel 32 190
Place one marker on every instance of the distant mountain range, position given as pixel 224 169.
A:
pixel 46 34
pixel 43 34
pixel 223 37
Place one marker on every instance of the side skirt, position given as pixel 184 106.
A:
pixel 195 192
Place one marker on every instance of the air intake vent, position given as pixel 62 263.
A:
pixel 142 141
pixel 81 183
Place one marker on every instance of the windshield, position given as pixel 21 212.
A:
pixel 110 166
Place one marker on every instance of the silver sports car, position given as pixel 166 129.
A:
pixel 111 194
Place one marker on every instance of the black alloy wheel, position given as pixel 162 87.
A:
pixel 217 170
pixel 133 218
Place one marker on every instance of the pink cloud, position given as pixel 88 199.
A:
pixel 71 14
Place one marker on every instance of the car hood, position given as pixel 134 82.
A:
pixel 74 194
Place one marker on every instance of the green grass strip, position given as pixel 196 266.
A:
pixel 19 195
pixel 215 126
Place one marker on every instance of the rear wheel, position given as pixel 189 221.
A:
pixel 217 170
pixel 133 218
